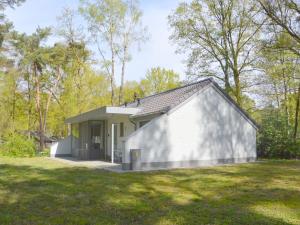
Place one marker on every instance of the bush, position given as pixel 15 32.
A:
pixel 44 153
pixel 275 139
pixel 16 145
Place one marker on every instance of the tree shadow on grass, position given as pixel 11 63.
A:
pixel 215 195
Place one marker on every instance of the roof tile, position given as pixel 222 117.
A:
pixel 164 101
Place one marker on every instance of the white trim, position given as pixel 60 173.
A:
pixel 189 98
pixel 102 113
pixel 213 85
pixel 234 106
pixel 122 110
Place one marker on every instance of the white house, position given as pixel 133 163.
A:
pixel 193 125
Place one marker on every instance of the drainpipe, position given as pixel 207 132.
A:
pixel 131 121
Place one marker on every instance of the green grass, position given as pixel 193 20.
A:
pixel 43 191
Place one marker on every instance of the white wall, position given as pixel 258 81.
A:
pixel 61 148
pixel 128 129
pixel 207 127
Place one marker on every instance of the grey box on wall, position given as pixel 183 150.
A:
pixel 135 159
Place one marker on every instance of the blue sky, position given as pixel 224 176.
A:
pixel 158 51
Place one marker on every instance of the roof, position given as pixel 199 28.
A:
pixel 164 101
pixel 157 103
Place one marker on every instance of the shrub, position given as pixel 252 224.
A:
pixel 44 153
pixel 16 145
pixel 275 138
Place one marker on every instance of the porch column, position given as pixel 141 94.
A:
pixel 112 142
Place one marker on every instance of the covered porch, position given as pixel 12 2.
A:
pixel 99 134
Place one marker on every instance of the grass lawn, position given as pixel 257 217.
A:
pixel 43 191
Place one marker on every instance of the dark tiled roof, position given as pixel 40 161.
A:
pixel 164 101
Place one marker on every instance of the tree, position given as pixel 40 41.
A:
pixel 114 25
pixel 281 68
pixel 32 58
pixel 104 19
pixel 68 29
pixel 132 88
pixel 10 101
pixel 285 14
pixel 158 80
pixel 43 70
pixel 221 39
pixel 132 32
pixel 5 25
pixel 10 3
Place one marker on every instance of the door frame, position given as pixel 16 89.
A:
pixel 103 138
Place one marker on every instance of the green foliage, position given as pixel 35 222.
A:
pixel 219 39
pixel 158 80
pixel 275 138
pixel 44 153
pixel 130 88
pixel 16 145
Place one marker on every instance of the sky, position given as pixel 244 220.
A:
pixel 157 51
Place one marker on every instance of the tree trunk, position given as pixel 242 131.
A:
pixel 58 77
pixel 39 109
pixel 227 84
pixel 112 76
pixel 14 105
pixel 112 82
pixel 226 52
pixel 297 113
pixel 29 106
pixel 285 86
pixel 122 84
pixel 122 76
pixel 237 87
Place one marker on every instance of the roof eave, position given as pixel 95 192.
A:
pixel 102 113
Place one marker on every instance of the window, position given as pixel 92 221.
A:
pixel 121 129
pixel 142 123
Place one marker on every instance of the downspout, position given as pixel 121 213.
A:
pixel 131 121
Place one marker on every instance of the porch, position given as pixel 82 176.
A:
pixel 99 134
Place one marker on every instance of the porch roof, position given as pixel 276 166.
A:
pixel 102 113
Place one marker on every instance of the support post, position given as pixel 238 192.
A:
pixel 112 142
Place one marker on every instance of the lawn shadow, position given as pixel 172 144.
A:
pixel 215 195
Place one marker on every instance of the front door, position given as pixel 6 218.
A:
pixel 97 141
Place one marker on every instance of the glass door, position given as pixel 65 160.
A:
pixel 97 140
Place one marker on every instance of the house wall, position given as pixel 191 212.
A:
pixel 61 148
pixel 207 129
